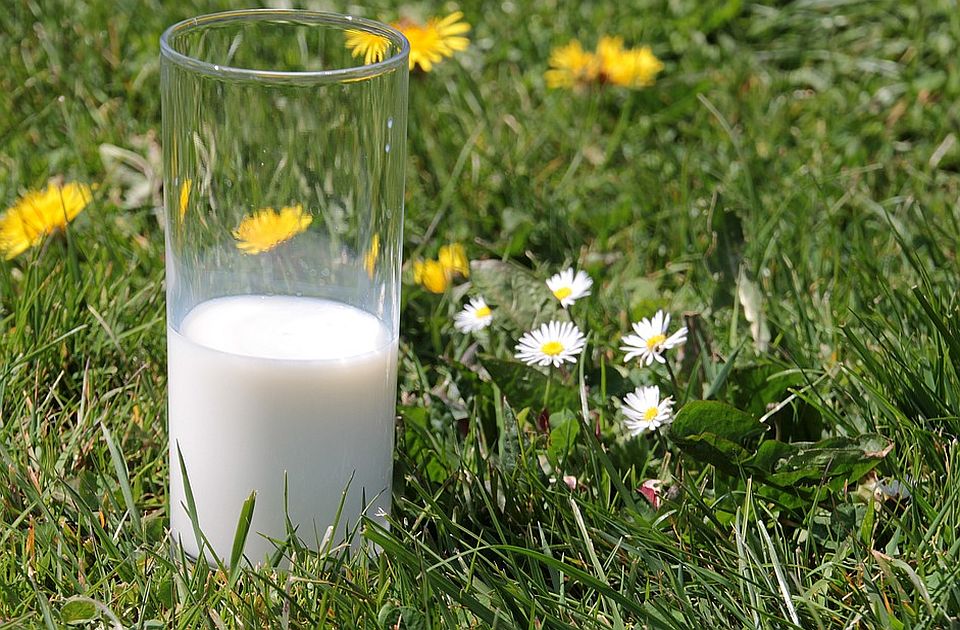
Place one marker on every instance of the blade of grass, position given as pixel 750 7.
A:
pixel 120 467
pixel 240 537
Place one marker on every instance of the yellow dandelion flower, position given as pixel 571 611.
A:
pixel 438 38
pixel 370 46
pixel 370 258
pixel 185 196
pixel 627 67
pixel 436 275
pixel 644 67
pixel 431 275
pixel 571 66
pixel 39 213
pixel 266 228
pixel 453 259
pixel 609 50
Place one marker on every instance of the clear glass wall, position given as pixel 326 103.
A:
pixel 283 179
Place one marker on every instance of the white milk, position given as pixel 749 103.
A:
pixel 265 386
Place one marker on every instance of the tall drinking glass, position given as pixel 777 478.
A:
pixel 283 178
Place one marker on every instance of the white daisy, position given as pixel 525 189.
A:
pixel 552 343
pixel 651 339
pixel 569 288
pixel 645 411
pixel 475 316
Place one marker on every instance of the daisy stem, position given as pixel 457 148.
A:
pixel 546 390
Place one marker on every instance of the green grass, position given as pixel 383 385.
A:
pixel 807 150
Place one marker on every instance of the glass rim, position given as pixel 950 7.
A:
pixel 332 75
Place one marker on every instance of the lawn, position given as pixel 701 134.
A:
pixel 788 189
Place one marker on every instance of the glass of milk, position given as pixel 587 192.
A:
pixel 283 178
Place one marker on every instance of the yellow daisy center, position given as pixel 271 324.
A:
pixel 482 312
pixel 266 228
pixel 552 348
pixel 650 414
pixel 562 292
pixel 655 341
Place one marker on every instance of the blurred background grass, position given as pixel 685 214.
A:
pixel 807 149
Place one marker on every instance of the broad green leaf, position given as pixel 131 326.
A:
pixel 769 454
pixel 716 433
pixel 519 298
pixel 77 611
pixel 710 417
pixel 835 460
pixel 754 388
pixel 726 455
pixel 525 386
pixel 759 385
